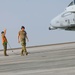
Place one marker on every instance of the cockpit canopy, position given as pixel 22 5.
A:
pixel 72 3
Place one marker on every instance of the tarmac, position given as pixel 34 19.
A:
pixel 56 59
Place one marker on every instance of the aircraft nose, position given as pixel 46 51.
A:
pixel 49 28
pixel 53 22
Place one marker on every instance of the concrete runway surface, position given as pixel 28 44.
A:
pixel 56 59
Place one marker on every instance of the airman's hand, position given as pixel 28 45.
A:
pixel 5 31
pixel 18 41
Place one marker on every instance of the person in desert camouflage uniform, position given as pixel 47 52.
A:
pixel 4 41
pixel 22 36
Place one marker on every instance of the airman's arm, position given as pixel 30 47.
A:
pixel 27 38
pixel 5 31
pixel 18 38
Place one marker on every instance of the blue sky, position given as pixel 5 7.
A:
pixel 35 15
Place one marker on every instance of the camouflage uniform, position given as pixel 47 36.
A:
pixel 23 41
pixel 5 48
pixel 4 40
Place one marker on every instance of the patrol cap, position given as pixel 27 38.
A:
pixel 2 32
pixel 22 27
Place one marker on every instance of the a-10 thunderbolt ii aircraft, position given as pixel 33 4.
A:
pixel 65 20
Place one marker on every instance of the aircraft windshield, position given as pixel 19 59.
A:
pixel 72 3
